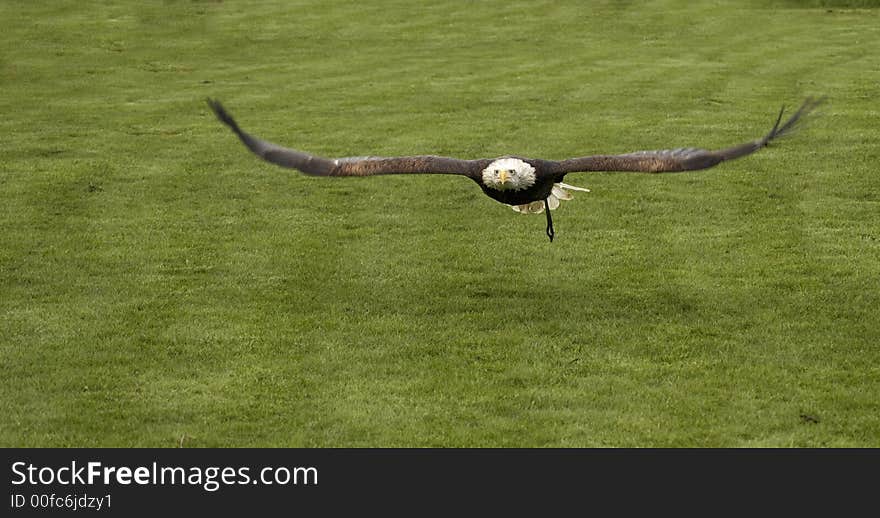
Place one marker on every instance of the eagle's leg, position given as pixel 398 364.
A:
pixel 550 232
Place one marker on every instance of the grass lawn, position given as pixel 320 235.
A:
pixel 159 285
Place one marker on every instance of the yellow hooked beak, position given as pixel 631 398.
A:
pixel 503 176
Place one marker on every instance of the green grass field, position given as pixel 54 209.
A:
pixel 161 286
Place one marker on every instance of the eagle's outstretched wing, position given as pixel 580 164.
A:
pixel 349 166
pixel 683 159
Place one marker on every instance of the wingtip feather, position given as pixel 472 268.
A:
pixel 222 114
pixel 807 107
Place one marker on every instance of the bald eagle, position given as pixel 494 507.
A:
pixel 528 185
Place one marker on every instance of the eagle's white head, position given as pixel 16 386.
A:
pixel 509 174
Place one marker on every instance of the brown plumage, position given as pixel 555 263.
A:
pixel 541 179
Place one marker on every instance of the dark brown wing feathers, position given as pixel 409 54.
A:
pixel 669 160
pixel 350 166
pixel 367 166
pixel 683 159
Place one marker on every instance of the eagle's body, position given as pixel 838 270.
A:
pixel 529 185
